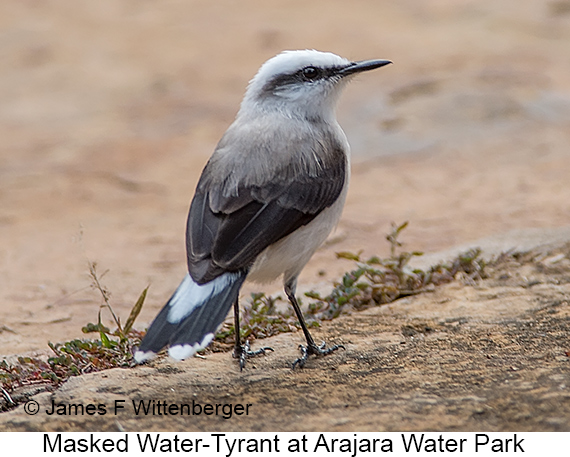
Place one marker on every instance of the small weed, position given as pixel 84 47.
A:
pixel 79 356
pixel 379 281
pixel 260 318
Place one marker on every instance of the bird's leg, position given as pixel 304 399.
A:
pixel 311 347
pixel 242 351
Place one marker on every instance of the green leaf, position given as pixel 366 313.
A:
pixel 313 294
pixel 135 311
pixel 93 328
pixel 106 341
pixel 349 255
pixel 104 338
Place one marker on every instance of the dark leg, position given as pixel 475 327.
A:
pixel 242 352
pixel 311 347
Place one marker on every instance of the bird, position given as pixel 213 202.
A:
pixel 269 196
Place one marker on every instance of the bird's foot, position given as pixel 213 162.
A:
pixel 242 352
pixel 313 349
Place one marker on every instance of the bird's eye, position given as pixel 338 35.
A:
pixel 311 73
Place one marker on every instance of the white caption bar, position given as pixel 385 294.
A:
pixel 288 443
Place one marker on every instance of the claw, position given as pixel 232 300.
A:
pixel 303 359
pixel 243 353
pixel 313 349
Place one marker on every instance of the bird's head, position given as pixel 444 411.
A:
pixel 305 83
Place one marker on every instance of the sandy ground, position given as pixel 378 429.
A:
pixel 110 110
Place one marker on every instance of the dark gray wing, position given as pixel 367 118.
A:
pixel 227 232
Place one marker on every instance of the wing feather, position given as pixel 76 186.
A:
pixel 228 227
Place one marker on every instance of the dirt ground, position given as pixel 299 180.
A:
pixel 110 110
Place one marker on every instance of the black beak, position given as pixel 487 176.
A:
pixel 363 65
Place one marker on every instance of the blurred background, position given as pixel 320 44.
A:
pixel 110 109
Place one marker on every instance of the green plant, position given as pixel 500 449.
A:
pixel 78 356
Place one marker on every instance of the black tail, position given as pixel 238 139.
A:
pixel 189 320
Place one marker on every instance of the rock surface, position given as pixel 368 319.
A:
pixel 493 355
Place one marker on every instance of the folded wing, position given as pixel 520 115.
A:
pixel 227 230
